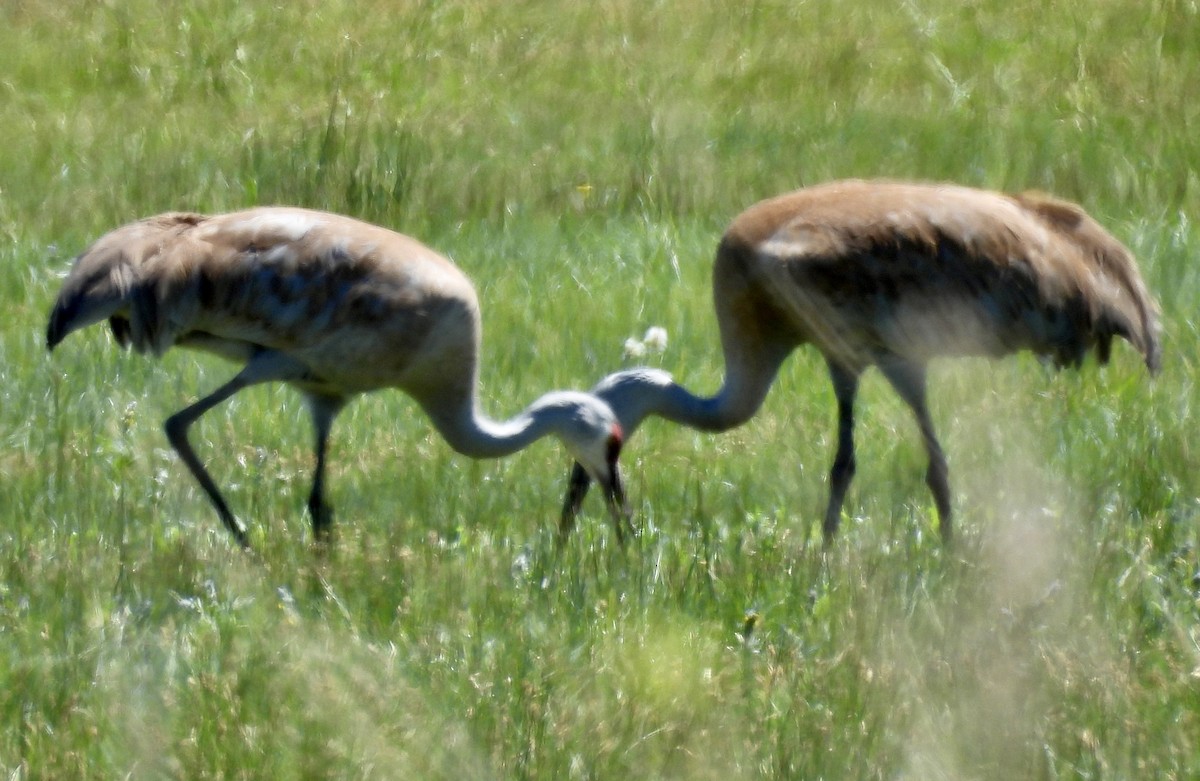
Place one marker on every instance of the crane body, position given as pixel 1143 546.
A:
pixel 892 275
pixel 331 305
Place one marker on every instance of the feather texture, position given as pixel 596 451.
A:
pixel 329 304
pixel 860 268
pixel 893 274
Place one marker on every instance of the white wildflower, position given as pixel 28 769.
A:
pixel 655 339
pixel 634 348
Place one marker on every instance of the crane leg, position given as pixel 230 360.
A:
pixel 845 387
pixel 263 367
pixel 909 381
pixel 324 409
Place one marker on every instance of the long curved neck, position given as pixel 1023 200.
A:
pixel 679 405
pixel 734 404
pixel 472 433
pixel 739 397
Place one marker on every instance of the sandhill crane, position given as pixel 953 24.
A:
pixel 334 307
pixel 892 274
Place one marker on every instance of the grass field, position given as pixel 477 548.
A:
pixel 579 161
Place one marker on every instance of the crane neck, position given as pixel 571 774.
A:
pixel 679 405
pixel 471 432
pixel 637 394
pixel 731 406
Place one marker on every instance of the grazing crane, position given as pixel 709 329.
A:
pixel 334 307
pixel 893 274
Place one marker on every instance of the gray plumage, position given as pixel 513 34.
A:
pixel 331 305
pixel 893 274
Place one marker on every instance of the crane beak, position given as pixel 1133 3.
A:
pixel 614 496
pixel 614 492
pixel 577 488
pixel 618 507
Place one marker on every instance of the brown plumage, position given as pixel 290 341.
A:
pixel 893 274
pixel 331 305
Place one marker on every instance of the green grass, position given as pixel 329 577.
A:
pixel 579 162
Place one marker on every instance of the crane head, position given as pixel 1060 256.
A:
pixel 632 395
pixel 594 436
pixel 635 394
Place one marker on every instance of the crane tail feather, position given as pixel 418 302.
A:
pixel 1128 309
pixel 1120 301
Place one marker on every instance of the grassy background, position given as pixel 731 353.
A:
pixel 579 162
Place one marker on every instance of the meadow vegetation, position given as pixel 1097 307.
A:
pixel 579 161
